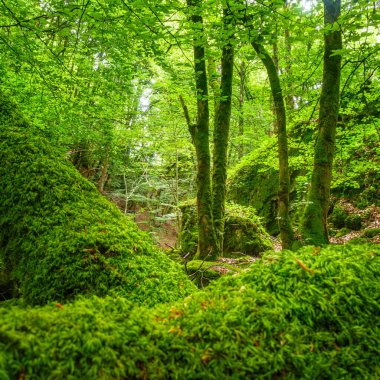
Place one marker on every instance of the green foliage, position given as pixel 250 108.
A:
pixel 59 237
pixel 306 315
pixel 243 232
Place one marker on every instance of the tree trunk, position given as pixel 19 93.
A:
pixel 284 222
pixel 200 136
pixel 221 135
pixel 242 76
pixel 314 225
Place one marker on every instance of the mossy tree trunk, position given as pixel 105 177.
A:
pixel 221 133
pixel 242 78
pixel 199 131
pixel 314 225
pixel 284 222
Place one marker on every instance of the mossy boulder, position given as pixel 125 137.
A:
pixel 314 314
pixel 254 182
pixel 341 218
pixel 59 237
pixel 243 232
pixel 371 232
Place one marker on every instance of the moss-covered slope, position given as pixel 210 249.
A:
pixel 59 237
pixel 306 315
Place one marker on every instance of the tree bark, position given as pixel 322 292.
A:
pixel 242 77
pixel 314 225
pixel 200 137
pixel 284 223
pixel 221 134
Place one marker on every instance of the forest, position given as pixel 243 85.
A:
pixel 190 189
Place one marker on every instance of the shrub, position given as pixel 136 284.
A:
pixel 59 237
pixel 306 315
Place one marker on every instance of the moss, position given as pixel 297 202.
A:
pixel 338 217
pixel 243 232
pixel 371 232
pixel 343 231
pixel 202 272
pixel 290 314
pixel 59 237
pixel 254 182
pixel 353 222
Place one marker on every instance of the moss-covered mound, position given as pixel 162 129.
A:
pixel 254 182
pixel 306 315
pixel 243 232
pixel 59 237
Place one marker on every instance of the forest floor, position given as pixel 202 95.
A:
pixel 370 220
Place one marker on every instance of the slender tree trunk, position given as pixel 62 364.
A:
pixel 104 172
pixel 284 223
pixel 242 74
pixel 221 134
pixel 314 226
pixel 200 137
pixel 288 68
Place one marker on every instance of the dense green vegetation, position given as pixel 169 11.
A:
pixel 59 237
pixel 189 189
pixel 289 315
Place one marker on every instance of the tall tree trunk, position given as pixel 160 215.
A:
pixel 221 134
pixel 200 137
pixel 314 225
pixel 288 68
pixel 284 223
pixel 242 77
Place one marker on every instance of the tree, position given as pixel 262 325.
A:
pixel 314 225
pixel 207 246
pixel 211 196
pixel 222 130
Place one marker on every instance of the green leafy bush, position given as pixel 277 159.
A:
pixel 306 315
pixel 59 237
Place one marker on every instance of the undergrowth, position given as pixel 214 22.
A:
pixel 313 314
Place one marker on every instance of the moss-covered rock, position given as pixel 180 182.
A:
pixel 254 182
pixel 243 232
pixel 371 232
pixel 341 218
pixel 59 237
pixel 314 314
